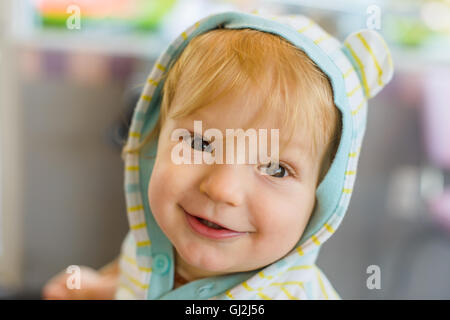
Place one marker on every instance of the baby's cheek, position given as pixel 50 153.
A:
pixel 160 187
pixel 154 193
pixel 268 248
pixel 280 231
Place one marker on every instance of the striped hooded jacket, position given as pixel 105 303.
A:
pixel 358 69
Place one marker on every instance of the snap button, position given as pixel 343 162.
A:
pixel 161 263
pixel 203 290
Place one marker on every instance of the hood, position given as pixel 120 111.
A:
pixel 358 69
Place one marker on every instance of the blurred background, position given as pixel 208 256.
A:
pixel 67 90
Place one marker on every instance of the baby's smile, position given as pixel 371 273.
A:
pixel 210 229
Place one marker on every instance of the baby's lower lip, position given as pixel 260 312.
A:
pixel 208 232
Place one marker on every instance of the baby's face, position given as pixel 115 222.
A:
pixel 264 213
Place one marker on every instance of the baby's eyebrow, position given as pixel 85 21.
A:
pixel 296 152
pixel 293 158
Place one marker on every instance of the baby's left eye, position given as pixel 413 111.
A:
pixel 197 142
pixel 276 171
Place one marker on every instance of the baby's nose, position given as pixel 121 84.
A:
pixel 225 183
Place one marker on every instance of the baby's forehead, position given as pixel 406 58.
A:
pixel 244 108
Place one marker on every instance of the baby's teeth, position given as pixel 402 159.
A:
pixel 210 224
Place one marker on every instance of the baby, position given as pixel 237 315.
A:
pixel 221 229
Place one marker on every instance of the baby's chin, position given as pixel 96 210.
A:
pixel 210 262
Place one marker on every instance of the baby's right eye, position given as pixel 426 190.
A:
pixel 197 142
pixel 280 171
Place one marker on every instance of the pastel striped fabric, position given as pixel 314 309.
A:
pixel 366 67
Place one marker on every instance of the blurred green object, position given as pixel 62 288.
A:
pixel 147 16
pixel 408 31
pixel 152 13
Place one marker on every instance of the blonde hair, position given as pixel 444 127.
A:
pixel 288 82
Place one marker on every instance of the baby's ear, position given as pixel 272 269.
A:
pixel 371 58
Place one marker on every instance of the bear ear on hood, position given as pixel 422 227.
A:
pixel 371 58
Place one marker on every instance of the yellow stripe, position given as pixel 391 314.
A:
pixel 350 173
pixel 299 267
pixel 138 226
pixel 184 35
pixel 132 168
pixel 299 250
pixel 347 191
pixel 262 295
pixel 127 288
pixel 354 154
pixel 135 281
pixel 247 287
pixel 153 82
pixel 361 67
pixel 135 134
pixel 146 98
pixel 261 274
pixel 288 294
pixel 160 67
pixel 348 72
pixel 287 283
pixel 375 61
pixel 349 94
pixel 229 295
pixel 145 269
pixel 388 53
pixel 129 259
pixel 134 263
pixel 143 243
pixel 310 24
pixel 322 286
pixel 329 228
pixel 315 240
pixel 354 112
pixel 322 38
pixel 136 208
